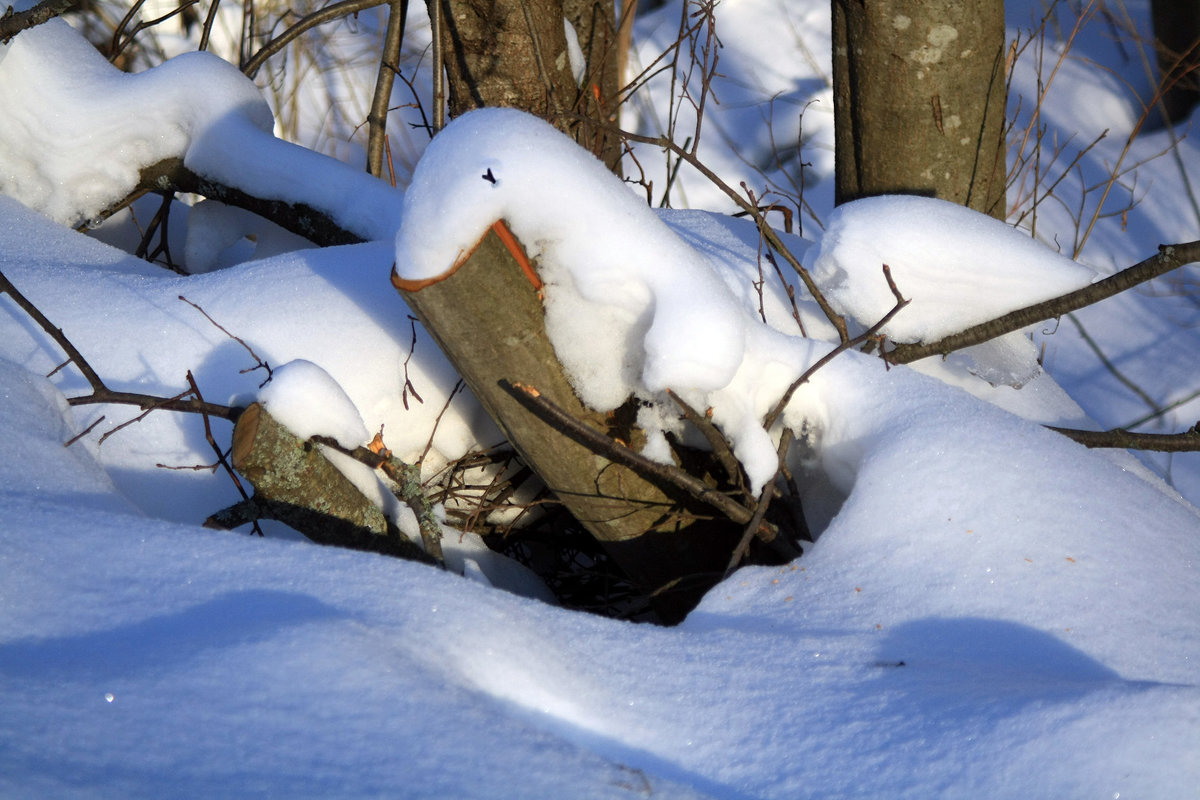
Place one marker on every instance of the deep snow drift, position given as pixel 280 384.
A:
pixel 990 610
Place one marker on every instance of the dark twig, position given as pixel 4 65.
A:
pixel 597 442
pixel 1169 257
pixel 845 345
pixel 1186 442
pixel 259 362
pixel 84 432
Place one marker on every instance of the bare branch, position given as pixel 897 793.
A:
pixel 12 23
pixel 100 392
pixel 1186 442
pixel 845 345
pixel 1169 257
pixel 335 11
pixel 299 218
pixel 597 442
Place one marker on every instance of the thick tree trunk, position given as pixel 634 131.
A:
pixel 1177 35
pixel 510 53
pixel 513 54
pixel 919 94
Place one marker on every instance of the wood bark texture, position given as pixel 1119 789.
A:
pixel 919 94
pixel 513 54
pixel 296 484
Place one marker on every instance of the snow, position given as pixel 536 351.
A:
pixel 308 402
pixel 67 142
pixel 654 293
pixel 959 267
pixel 70 147
pixel 990 609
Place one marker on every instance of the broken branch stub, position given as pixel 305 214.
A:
pixel 296 484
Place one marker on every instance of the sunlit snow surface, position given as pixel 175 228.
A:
pixel 992 611
pixel 957 267
pixel 76 133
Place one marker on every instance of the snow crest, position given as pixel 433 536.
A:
pixel 958 267
pixel 76 131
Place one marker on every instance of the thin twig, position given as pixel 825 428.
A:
pixel 868 334
pixel 614 451
pixel 1186 442
pixel 760 510
pixel 1169 257
pixel 221 458
pixel 259 362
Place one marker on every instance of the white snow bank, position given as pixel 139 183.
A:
pixel 332 307
pixel 958 267
pixel 141 659
pixel 76 133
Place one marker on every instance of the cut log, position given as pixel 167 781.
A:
pixel 488 319
pixel 296 484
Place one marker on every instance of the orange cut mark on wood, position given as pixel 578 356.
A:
pixel 517 252
pixel 510 243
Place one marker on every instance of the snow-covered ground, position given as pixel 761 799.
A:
pixel 990 610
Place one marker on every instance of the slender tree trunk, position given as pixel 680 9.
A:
pixel 919 93
pixel 1177 35
pixel 598 99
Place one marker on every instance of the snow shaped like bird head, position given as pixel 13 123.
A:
pixel 638 309
pixel 958 267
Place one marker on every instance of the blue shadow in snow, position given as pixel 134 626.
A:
pixel 1003 653
pixel 230 619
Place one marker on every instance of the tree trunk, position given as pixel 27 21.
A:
pixel 1177 35
pixel 649 531
pixel 513 54
pixel 598 101
pixel 919 94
